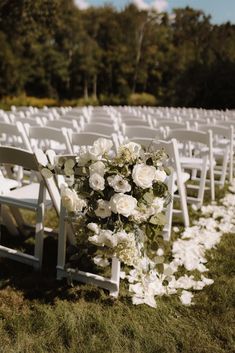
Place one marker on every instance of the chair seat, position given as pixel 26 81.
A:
pixel 7 184
pixel 193 163
pixel 25 197
pixel 217 151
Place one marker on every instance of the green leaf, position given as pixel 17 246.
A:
pixel 160 268
pixel 158 219
pixel 148 197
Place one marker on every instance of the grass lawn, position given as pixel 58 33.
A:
pixel 39 314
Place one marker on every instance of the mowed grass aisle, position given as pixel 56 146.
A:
pixel 38 314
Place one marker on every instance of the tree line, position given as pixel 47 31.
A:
pixel 50 48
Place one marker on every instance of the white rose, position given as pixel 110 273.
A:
pixel 143 175
pixel 94 153
pixel 71 201
pixel 160 175
pixel 103 145
pixel 97 167
pixel 93 227
pixel 123 204
pixel 83 156
pixel 96 182
pixel 157 204
pixel 119 184
pixel 134 148
pixel 103 210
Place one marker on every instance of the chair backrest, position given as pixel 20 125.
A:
pixel 30 121
pixel 60 123
pixel 218 130
pixel 134 122
pixel 171 148
pixel 15 134
pixel 47 135
pixel 170 124
pixel 85 138
pixel 101 120
pixel 141 132
pixel 105 129
pixel 20 157
pixel 184 135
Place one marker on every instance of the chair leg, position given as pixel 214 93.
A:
pixel 115 276
pixel 202 183
pixel 39 236
pixel 61 243
pixel 169 210
pixel 224 168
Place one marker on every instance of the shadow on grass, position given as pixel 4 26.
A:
pixel 42 285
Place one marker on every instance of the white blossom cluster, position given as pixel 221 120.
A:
pixel 117 194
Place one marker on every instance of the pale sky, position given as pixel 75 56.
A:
pixel 220 10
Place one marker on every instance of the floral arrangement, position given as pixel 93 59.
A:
pixel 118 200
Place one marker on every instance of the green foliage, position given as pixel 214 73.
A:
pixel 52 49
pixel 142 99
pixel 23 100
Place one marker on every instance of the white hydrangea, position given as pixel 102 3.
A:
pixel 97 168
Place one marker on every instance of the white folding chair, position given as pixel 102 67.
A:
pixel 14 135
pixel 32 197
pixel 101 128
pixel 88 138
pixel 136 132
pixel 193 160
pixel 49 138
pixel 222 150
pixel 63 123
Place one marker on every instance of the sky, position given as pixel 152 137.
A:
pixel 220 10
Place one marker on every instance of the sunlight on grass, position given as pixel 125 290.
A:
pixel 39 314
